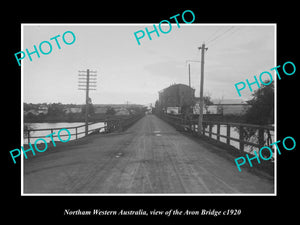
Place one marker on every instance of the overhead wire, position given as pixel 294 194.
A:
pixel 212 43
pixel 220 35
pixel 214 33
pixel 217 36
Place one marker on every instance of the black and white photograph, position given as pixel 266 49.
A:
pixel 150 113
pixel 160 116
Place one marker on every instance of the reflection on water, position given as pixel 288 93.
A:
pixel 56 127
pixel 234 133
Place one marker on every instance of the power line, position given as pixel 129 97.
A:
pixel 213 34
pixel 228 34
pixel 220 35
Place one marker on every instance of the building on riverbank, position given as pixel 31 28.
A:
pixel 223 107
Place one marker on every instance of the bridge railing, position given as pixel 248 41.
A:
pixel 76 131
pixel 107 126
pixel 244 137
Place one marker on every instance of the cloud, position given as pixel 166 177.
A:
pixel 171 69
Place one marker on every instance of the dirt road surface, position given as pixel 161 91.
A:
pixel 150 157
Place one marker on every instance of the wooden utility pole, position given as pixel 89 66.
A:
pixel 87 102
pixel 189 75
pixel 189 67
pixel 200 121
pixel 190 82
pixel 86 82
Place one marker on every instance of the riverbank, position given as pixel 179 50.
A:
pixel 73 119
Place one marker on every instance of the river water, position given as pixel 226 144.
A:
pixel 54 126
pixel 233 132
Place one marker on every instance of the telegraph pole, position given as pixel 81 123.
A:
pixel 190 85
pixel 189 66
pixel 200 121
pixel 85 83
pixel 189 75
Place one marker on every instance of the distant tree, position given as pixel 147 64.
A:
pixel 110 111
pixel 29 116
pixel 262 106
pixel 137 109
pixel 220 107
pixel 26 106
pixel 70 117
pixel 29 106
pixel 55 109
pixel 207 102
pixel 41 116
pixel 261 112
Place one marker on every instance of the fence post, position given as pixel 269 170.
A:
pixel 241 138
pixel 210 129
pixel 76 132
pixel 228 134
pixel 261 137
pixel 198 129
pixel 28 136
pixel 218 132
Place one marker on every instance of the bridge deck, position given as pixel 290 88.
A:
pixel 150 157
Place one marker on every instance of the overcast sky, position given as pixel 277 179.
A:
pixel 136 73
